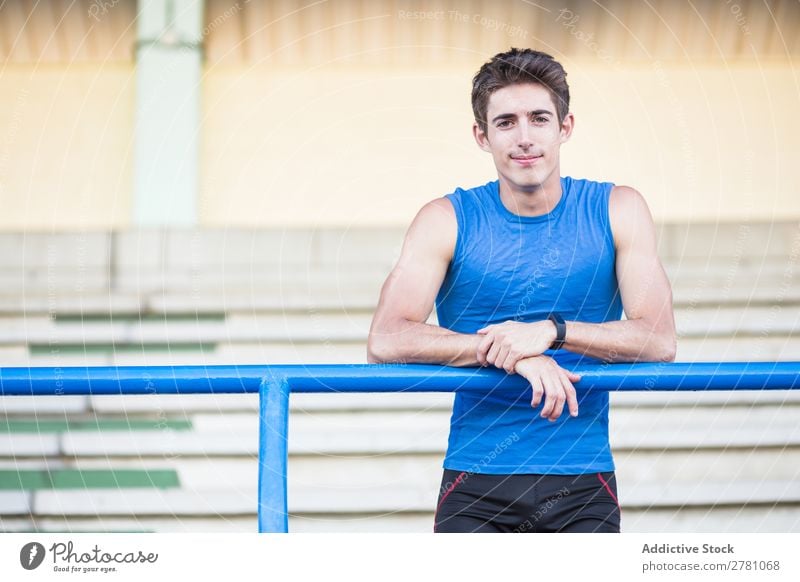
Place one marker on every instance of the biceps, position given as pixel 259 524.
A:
pixel 410 290
pixel 644 287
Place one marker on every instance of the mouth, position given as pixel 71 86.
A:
pixel 526 160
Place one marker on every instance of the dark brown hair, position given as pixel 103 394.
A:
pixel 519 66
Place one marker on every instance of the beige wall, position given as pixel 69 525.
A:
pixel 361 146
pixel 365 146
pixel 355 113
pixel 65 146
pixel 702 143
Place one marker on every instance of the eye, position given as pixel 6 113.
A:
pixel 504 123
pixel 540 119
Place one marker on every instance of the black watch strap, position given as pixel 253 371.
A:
pixel 561 331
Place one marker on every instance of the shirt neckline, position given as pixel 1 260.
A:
pixel 512 217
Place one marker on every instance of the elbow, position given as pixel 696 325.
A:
pixel 668 349
pixel 374 352
pixel 379 351
pixel 667 355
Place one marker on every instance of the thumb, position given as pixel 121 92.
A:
pixel 573 377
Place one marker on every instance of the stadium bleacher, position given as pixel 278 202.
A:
pixel 724 461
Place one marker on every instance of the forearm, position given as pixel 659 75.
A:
pixel 621 341
pixel 421 343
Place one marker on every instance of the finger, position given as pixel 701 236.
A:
pixel 491 357
pixel 483 349
pixel 538 392
pixel 573 377
pixel 572 397
pixel 486 329
pixel 510 363
pixel 502 354
pixel 559 399
pixel 549 400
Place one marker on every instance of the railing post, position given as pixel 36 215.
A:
pixel 273 513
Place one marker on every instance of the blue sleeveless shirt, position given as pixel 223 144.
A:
pixel 507 267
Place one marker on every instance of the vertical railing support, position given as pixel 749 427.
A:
pixel 273 509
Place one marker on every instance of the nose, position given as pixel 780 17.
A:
pixel 523 136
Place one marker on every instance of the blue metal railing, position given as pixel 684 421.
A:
pixel 276 383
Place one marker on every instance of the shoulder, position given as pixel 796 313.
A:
pixel 434 228
pixel 628 213
pixel 452 208
pixel 438 212
pixel 627 202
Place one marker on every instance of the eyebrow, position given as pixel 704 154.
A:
pixel 513 115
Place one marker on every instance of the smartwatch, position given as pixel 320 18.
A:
pixel 561 331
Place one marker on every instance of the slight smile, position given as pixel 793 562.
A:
pixel 525 160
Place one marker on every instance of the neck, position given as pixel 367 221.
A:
pixel 533 201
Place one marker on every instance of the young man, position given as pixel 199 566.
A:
pixel 530 273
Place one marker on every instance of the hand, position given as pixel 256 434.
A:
pixel 506 343
pixel 548 378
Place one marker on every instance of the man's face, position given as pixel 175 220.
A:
pixel 523 135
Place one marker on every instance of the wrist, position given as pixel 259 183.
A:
pixel 552 331
pixel 560 331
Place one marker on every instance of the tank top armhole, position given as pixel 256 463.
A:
pixel 455 200
pixel 606 214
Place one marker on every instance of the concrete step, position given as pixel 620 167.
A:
pixel 686 520
pixel 761 348
pixel 246 300
pixel 240 443
pixel 388 499
pixel 29 445
pixel 360 299
pixel 781 519
pixel 722 504
pixel 708 494
pixel 692 398
pixel 757 519
pixel 336 327
pixel 111 524
pixel 369 440
pixel 32 302
pixel 196 354
pixel 722 270
pixel 723 320
pixel 40 406
pixel 341 291
pixel 750 423
pixel 743 242
pixel 342 328
pixel 141 502
pixel 242 271
pixel 424 471
pixel 721 465
pixel 14 503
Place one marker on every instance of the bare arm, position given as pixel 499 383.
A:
pixel 399 332
pixel 648 333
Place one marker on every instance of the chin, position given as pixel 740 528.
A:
pixel 526 185
pixel 528 182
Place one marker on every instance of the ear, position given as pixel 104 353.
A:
pixel 567 125
pixel 480 137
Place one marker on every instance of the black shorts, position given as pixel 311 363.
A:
pixel 478 502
